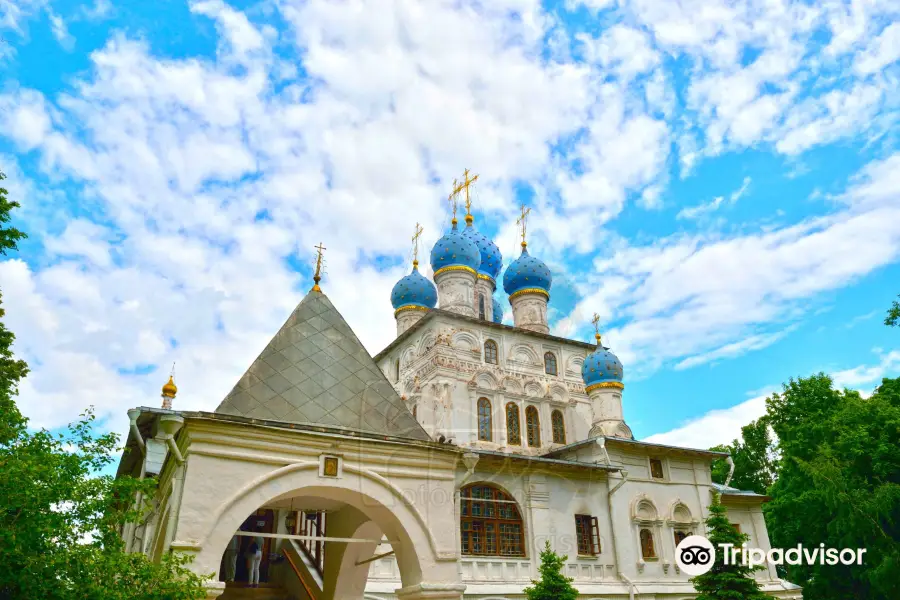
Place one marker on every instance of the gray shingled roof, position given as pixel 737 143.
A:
pixel 315 370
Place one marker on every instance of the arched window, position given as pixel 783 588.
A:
pixel 559 427
pixel 550 363
pixel 490 352
pixel 647 549
pixel 415 412
pixel 484 419
pixel 513 433
pixel 490 523
pixel 481 313
pixel 533 425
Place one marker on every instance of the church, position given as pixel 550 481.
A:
pixel 436 469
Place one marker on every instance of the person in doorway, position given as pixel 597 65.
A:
pixel 254 554
pixel 231 556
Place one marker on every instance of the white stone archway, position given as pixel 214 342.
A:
pixel 426 570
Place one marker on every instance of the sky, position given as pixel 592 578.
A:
pixel 718 180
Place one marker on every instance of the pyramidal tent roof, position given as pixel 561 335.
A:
pixel 315 370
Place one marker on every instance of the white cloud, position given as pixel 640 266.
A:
pixel 694 212
pixel 715 427
pixel 869 376
pixel 694 297
pixel 721 426
pixel 60 30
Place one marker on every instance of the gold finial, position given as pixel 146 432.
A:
pixel 521 221
pixel 596 322
pixel 464 185
pixel 415 240
pixel 318 276
pixel 169 389
pixel 452 199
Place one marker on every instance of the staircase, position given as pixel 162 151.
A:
pixel 265 591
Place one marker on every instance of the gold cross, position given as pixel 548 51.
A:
pixel 457 188
pixel 596 321
pixel 452 199
pixel 521 221
pixel 318 276
pixel 415 240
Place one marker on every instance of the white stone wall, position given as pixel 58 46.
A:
pixel 530 312
pixel 456 292
pixel 443 373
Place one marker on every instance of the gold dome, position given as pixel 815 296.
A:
pixel 170 389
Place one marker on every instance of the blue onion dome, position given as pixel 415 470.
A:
pixel 455 251
pixel 491 259
pixel 415 291
pixel 601 369
pixel 527 274
pixel 498 311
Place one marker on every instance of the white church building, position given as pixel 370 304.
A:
pixel 436 469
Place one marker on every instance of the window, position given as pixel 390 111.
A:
pixel 490 352
pixel 647 549
pixel 481 314
pixel 397 370
pixel 533 425
pixel 559 427
pixel 513 434
pixel 490 522
pixel 484 419
pixel 680 535
pixel 415 412
pixel 737 527
pixel 656 468
pixel 550 363
pixel 588 535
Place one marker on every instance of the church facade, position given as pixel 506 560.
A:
pixel 438 468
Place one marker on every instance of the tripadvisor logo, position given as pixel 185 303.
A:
pixel 695 555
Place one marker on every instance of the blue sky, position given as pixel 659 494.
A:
pixel 719 181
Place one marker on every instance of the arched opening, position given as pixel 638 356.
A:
pixel 533 425
pixel 348 502
pixel 490 352
pixel 550 364
pixel 513 432
pixel 558 424
pixel 484 420
pixel 481 310
pixel 490 522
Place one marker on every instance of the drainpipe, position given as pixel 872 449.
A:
pixel 133 414
pixel 612 521
pixel 169 426
pixel 131 528
pixel 730 462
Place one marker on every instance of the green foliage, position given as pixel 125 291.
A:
pixel 755 458
pixel 9 236
pixel 838 484
pixel 733 581
pixel 59 521
pixel 893 316
pixel 553 585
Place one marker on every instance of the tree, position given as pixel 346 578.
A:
pixel 755 458
pixel 732 581
pixel 893 316
pixel 839 485
pixel 11 370
pixel 59 521
pixel 553 585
